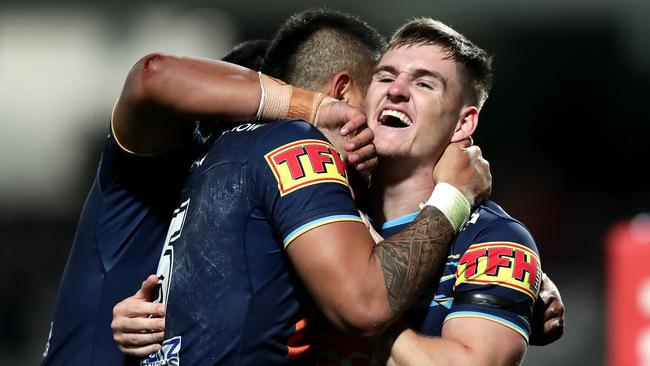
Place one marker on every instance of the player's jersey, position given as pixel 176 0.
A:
pixel 232 296
pixel 492 272
pixel 117 244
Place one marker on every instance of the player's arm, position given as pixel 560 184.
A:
pixel 464 341
pixel 497 281
pixel 164 95
pixel 489 321
pixel 361 287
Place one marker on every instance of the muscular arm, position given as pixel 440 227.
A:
pixel 464 341
pixel 163 95
pixel 362 287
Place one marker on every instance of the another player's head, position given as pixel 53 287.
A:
pixel 426 91
pixel 248 54
pixel 327 51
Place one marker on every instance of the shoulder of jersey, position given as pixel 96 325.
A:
pixel 487 213
pixel 262 137
pixel 268 126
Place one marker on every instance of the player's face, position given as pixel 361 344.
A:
pixel 413 102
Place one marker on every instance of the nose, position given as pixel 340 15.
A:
pixel 399 89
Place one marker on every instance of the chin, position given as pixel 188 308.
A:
pixel 390 152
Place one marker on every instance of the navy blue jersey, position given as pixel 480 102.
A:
pixel 231 295
pixel 492 272
pixel 493 257
pixel 117 244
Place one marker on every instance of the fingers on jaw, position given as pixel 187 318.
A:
pixel 363 138
pixel 357 122
pixel 368 164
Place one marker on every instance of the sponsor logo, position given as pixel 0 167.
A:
pixel 246 127
pixel 304 163
pixel 501 263
pixel 167 356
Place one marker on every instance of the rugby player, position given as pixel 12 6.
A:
pixel 427 91
pixel 121 230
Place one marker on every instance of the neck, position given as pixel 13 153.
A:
pixel 397 189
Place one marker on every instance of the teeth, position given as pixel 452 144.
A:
pixel 399 115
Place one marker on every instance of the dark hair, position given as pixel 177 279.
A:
pixel 248 54
pixel 475 62
pixel 313 45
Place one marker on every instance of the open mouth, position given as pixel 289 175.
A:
pixel 394 119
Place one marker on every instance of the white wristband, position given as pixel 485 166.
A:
pixel 258 115
pixel 451 202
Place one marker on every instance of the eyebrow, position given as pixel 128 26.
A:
pixel 387 68
pixel 414 73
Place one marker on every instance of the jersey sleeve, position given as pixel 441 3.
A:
pixel 130 187
pixel 151 174
pixel 498 277
pixel 301 181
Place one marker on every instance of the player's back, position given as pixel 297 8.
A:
pixel 120 233
pixel 232 296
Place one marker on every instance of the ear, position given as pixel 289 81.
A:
pixel 466 124
pixel 340 86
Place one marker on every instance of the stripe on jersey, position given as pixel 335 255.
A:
pixel 316 223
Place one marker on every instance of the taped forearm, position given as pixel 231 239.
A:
pixel 282 101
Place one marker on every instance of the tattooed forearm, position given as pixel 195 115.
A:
pixel 411 258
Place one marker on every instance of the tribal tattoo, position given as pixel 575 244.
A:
pixel 412 257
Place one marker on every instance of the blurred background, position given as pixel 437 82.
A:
pixel 565 129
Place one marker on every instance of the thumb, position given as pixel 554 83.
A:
pixel 146 290
pixel 324 108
